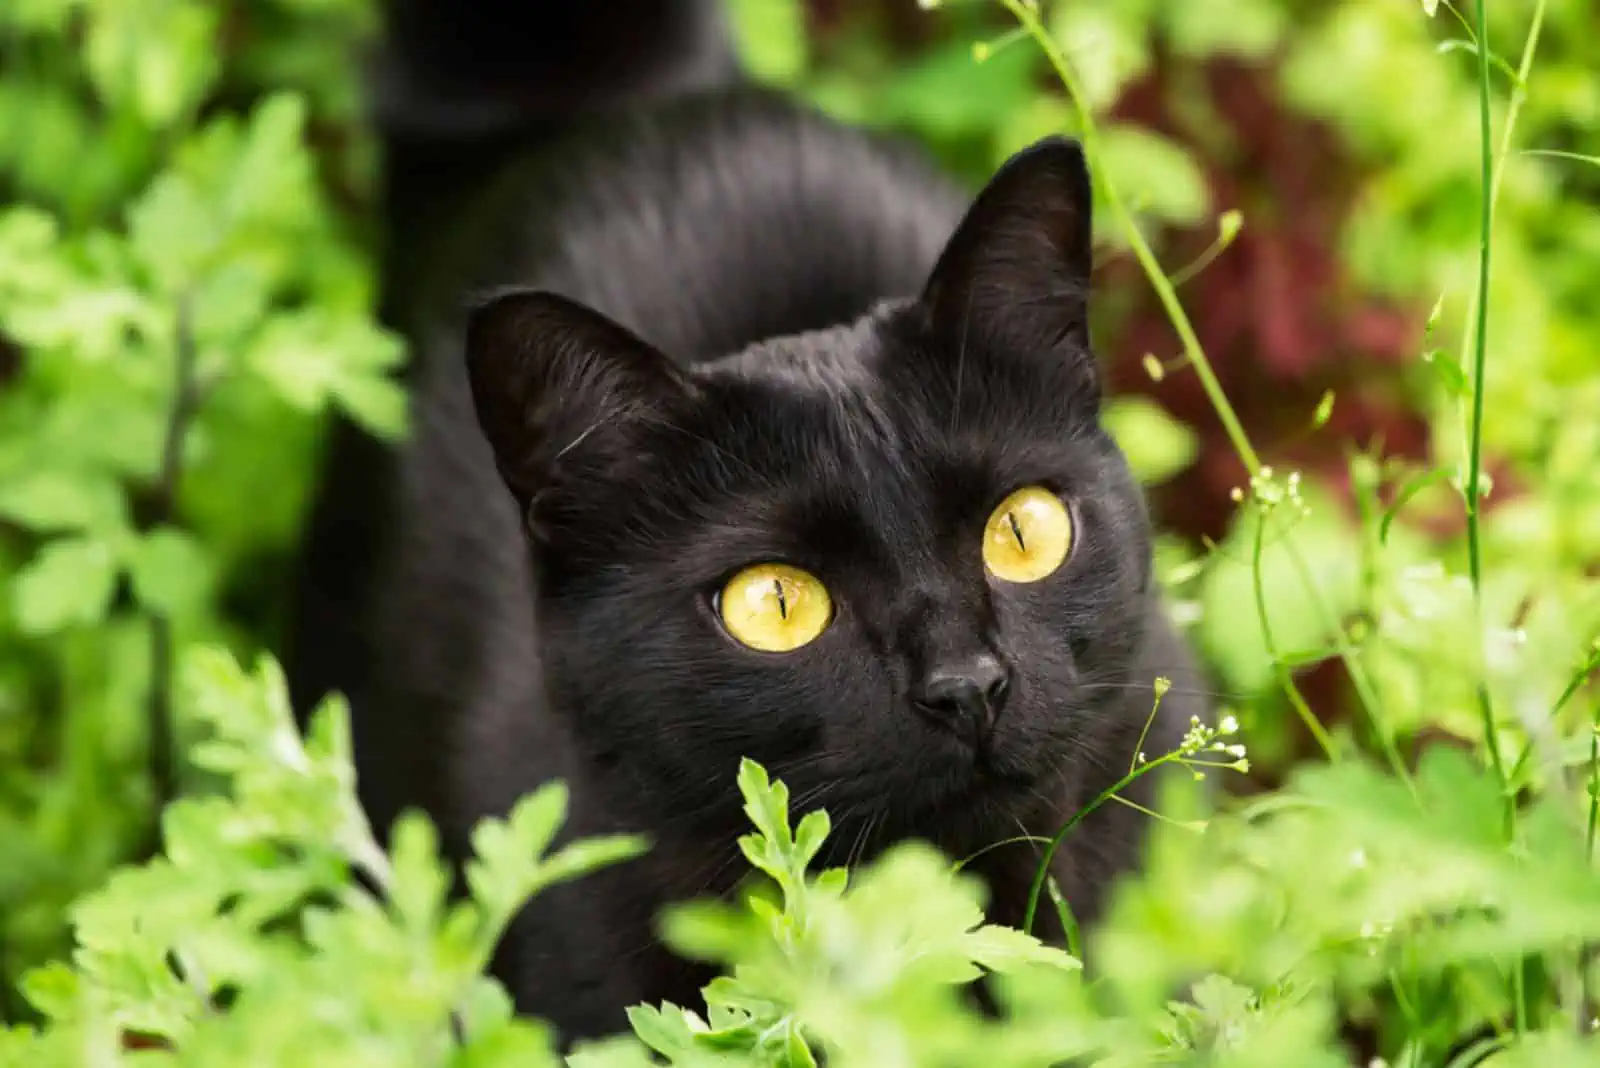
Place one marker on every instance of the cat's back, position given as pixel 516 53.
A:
pixel 714 222
pixel 703 227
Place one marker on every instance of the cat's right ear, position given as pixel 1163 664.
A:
pixel 562 392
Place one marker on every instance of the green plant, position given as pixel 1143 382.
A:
pixel 252 937
pixel 184 293
pixel 179 304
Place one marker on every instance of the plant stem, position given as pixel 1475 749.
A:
pixel 1028 16
pixel 185 402
pixel 1479 336
pixel 1285 677
pixel 1026 13
pixel 1043 872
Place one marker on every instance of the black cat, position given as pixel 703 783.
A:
pixel 755 439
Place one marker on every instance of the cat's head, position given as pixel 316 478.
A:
pixel 897 561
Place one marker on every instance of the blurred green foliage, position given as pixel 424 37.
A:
pixel 186 292
pixel 179 304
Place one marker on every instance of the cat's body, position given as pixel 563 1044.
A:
pixel 545 604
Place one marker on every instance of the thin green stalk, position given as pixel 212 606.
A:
pixel 1586 953
pixel 1574 684
pixel 1285 678
pixel 1475 436
pixel 1026 13
pixel 1594 788
pixel 1043 871
pixel 1359 679
pixel 1491 174
pixel 1488 175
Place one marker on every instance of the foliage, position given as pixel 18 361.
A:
pixel 1284 190
pixel 1347 881
pixel 179 303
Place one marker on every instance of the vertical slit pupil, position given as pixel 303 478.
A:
pixel 783 602
pixel 1016 531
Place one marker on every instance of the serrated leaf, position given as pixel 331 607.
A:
pixel 69 582
pixel 508 1043
pixel 588 855
pixel 809 838
pixel 664 1030
pixel 1004 949
pixel 173 232
pixel 420 880
pixel 508 853
pixel 766 803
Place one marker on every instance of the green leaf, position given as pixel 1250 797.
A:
pixel 49 502
pixel 949 94
pixel 1250 28
pixel 589 855
pixel 770 36
pixel 766 803
pixel 171 573
pixel 68 583
pixel 507 853
pixel 1108 50
pixel 1004 949
pixel 1449 372
pixel 309 356
pixel 157 58
pixel 378 404
pixel 420 881
pixel 511 1043
pixel 54 990
pixel 173 232
pixel 1157 445
pixel 1154 174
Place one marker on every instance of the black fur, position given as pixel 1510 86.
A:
pixel 725 332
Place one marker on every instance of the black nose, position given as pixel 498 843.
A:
pixel 965 696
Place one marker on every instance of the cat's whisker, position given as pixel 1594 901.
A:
pixel 834 840
pixel 701 439
pixel 961 363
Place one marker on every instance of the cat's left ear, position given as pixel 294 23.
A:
pixel 1016 272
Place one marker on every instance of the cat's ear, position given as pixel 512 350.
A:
pixel 1016 271
pixel 562 392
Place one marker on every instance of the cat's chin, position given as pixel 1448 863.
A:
pixel 969 791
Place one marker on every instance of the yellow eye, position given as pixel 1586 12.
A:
pixel 774 607
pixel 1028 536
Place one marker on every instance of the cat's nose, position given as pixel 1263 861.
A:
pixel 965 696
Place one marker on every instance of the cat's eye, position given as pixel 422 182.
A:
pixel 1028 536
pixel 774 607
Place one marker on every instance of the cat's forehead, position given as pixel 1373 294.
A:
pixel 851 421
